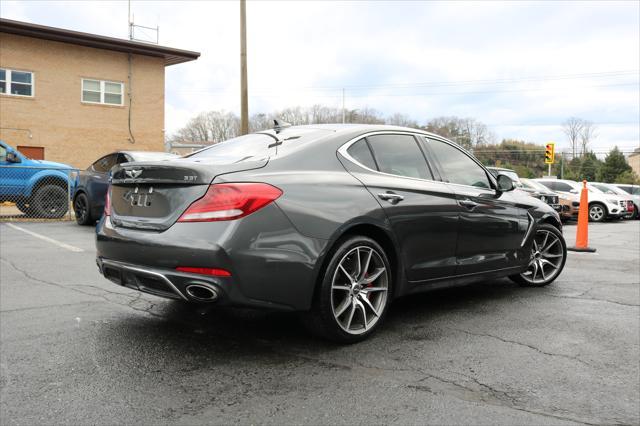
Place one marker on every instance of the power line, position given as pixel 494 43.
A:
pixel 608 74
pixel 379 95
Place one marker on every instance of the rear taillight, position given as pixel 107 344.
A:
pixel 107 202
pixel 227 201
pixel 216 272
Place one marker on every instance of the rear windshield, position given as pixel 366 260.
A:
pixel 152 156
pixel 251 147
pixel 259 146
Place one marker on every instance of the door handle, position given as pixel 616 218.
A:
pixel 391 197
pixel 468 204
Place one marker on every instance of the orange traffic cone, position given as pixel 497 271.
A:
pixel 582 236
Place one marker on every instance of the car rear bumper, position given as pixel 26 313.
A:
pixel 167 283
pixel 271 265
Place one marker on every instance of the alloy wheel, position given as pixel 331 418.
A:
pixel 596 212
pixel 80 208
pixel 547 258
pixel 359 290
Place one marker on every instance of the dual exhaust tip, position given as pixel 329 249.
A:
pixel 201 292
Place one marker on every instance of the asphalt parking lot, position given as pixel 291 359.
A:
pixel 77 349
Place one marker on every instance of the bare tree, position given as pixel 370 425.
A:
pixel 398 119
pixel 466 132
pixel 587 134
pixel 573 129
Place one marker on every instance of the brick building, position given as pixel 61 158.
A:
pixel 634 161
pixel 72 97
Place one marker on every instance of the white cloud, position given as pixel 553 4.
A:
pixel 302 53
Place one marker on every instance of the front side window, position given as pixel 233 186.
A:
pixel 399 155
pixel 102 92
pixel 17 83
pixel 458 167
pixel 3 154
pixel 561 186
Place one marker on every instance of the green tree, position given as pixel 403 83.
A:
pixel 614 165
pixel 589 167
pixel 628 177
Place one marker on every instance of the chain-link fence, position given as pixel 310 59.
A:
pixel 30 192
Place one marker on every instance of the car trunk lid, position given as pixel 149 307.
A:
pixel 153 195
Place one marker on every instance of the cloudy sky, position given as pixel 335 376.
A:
pixel 520 67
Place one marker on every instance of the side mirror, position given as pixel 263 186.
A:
pixel 573 191
pixel 12 157
pixel 505 184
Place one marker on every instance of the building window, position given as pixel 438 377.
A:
pixel 16 83
pixel 102 92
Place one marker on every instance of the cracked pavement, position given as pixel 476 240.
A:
pixel 77 349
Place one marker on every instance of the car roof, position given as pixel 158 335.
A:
pixel 349 128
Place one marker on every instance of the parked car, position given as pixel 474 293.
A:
pixel 569 203
pixel 92 183
pixel 632 203
pixel 543 194
pixel 333 220
pixel 38 188
pixel 601 206
pixel 634 191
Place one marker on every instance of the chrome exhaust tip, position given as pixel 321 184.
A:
pixel 201 292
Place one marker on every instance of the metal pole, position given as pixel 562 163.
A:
pixel 549 173
pixel 244 91
pixel 69 204
pixel 343 110
pixel 562 165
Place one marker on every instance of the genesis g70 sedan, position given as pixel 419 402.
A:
pixel 332 220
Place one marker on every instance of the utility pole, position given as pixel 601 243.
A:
pixel 244 91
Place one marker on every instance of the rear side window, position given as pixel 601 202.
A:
pixel 105 164
pixel 399 155
pixel 458 167
pixel 360 152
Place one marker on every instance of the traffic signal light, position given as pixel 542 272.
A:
pixel 549 153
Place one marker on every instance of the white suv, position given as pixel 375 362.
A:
pixel 601 206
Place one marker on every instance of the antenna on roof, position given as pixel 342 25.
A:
pixel 279 125
pixel 145 31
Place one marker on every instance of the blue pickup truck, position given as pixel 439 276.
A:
pixel 38 188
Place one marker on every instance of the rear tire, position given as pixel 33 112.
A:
pixel 597 212
pixel 50 202
pixel 354 292
pixel 82 210
pixel 548 256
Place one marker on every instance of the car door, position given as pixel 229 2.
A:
pixel 422 212
pixel 492 224
pixel 13 176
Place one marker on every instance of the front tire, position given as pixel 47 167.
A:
pixel 597 212
pixel 24 207
pixel 354 292
pixel 548 256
